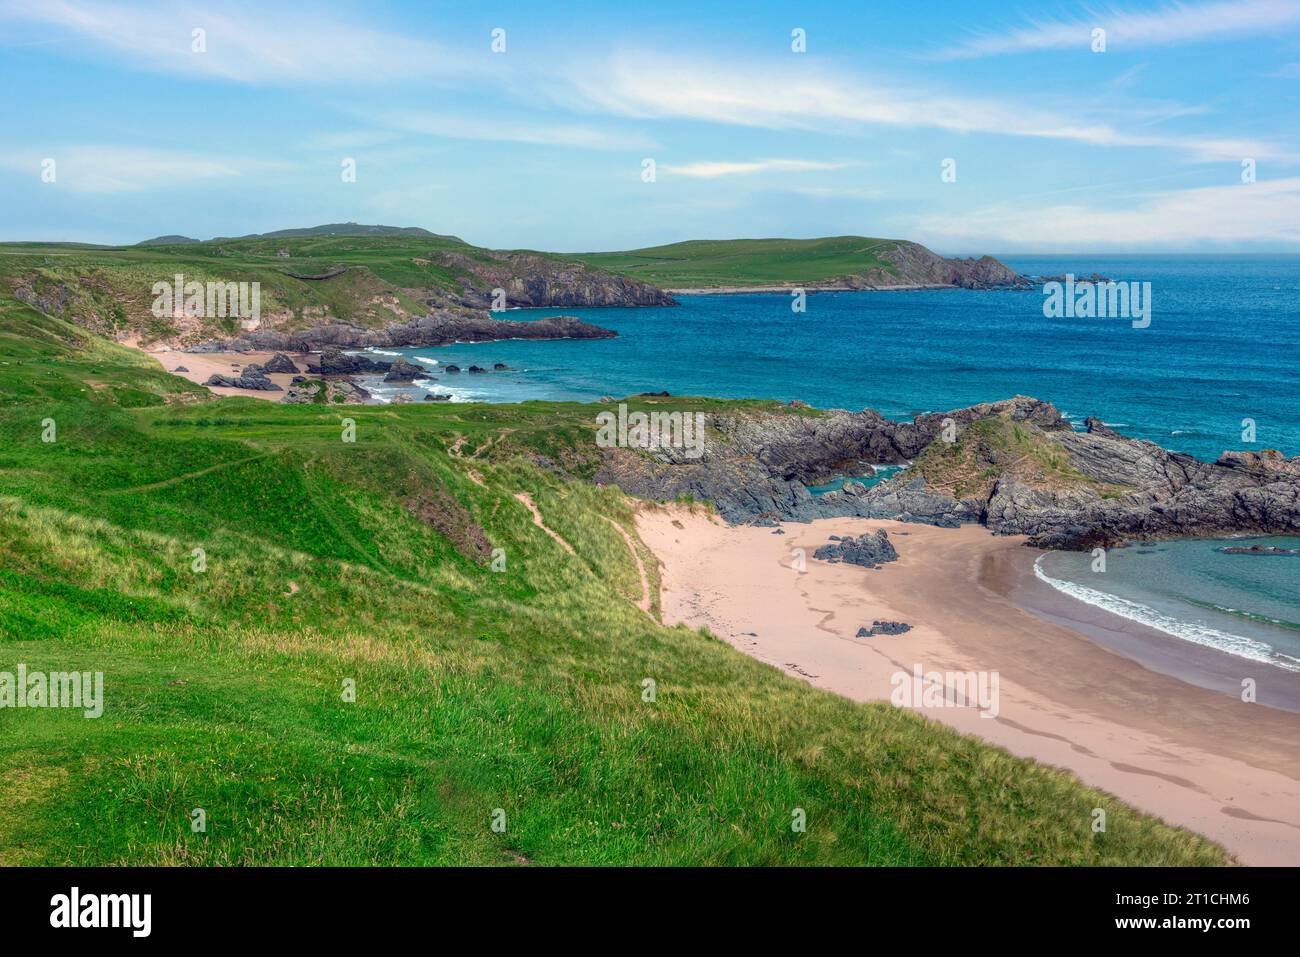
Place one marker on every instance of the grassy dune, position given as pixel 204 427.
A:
pixel 476 690
pixel 746 262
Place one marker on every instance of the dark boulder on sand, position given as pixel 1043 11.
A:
pixel 884 628
pixel 867 550
pixel 281 363
pixel 253 377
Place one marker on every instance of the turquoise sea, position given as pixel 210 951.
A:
pixel 1223 346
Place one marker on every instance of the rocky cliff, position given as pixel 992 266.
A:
pixel 529 279
pixel 915 265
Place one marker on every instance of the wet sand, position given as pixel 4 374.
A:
pixel 1079 689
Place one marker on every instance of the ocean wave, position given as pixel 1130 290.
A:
pixel 1247 615
pixel 381 352
pixel 428 362
pixel 1204 635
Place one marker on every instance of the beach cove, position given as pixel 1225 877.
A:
pixel 1197 758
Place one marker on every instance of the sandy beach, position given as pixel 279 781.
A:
pixel 1149 718
pixel 199 366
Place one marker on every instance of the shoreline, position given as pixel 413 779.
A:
pixel 1197 758
pixel 1205 667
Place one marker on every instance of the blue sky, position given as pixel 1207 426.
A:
pixel 1056 147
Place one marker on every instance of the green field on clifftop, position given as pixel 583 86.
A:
pixel 747 262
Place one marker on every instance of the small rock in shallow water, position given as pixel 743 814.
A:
pixel 403 371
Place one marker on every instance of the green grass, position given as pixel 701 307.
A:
pixel 112 286
pixel 741 262
pixel 476 690
pixel 991 447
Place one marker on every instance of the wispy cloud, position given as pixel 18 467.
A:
pixel 649 85
pixel 506 129
pixel 1213 216
pixel 245 44
pixel 1174 23
pixel 714 170
pixel 116 169
pixel 838 192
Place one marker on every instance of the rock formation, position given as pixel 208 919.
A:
pixel 253 376
pixel 436 329
pixel 403 371
pixel 869 550
pixel 1015 466
pixel 281 363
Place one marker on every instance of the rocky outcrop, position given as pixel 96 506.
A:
pixel 913 265
pixel 918 264
pixel 281 363
pixel 884 628
pixel 403 371
pixel 334 362
pixel 1015 466
pixel 1258 550
pixel 870 551
pixel 253 377
pixel 757 465
pixel 528 279
pixel 436 329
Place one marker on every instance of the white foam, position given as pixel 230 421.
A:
pixel 428 362
pixel 381 352
pixel 1204 635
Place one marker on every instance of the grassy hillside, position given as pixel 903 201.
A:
pixel 740 262
pixel 387 278
pixel 521 689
